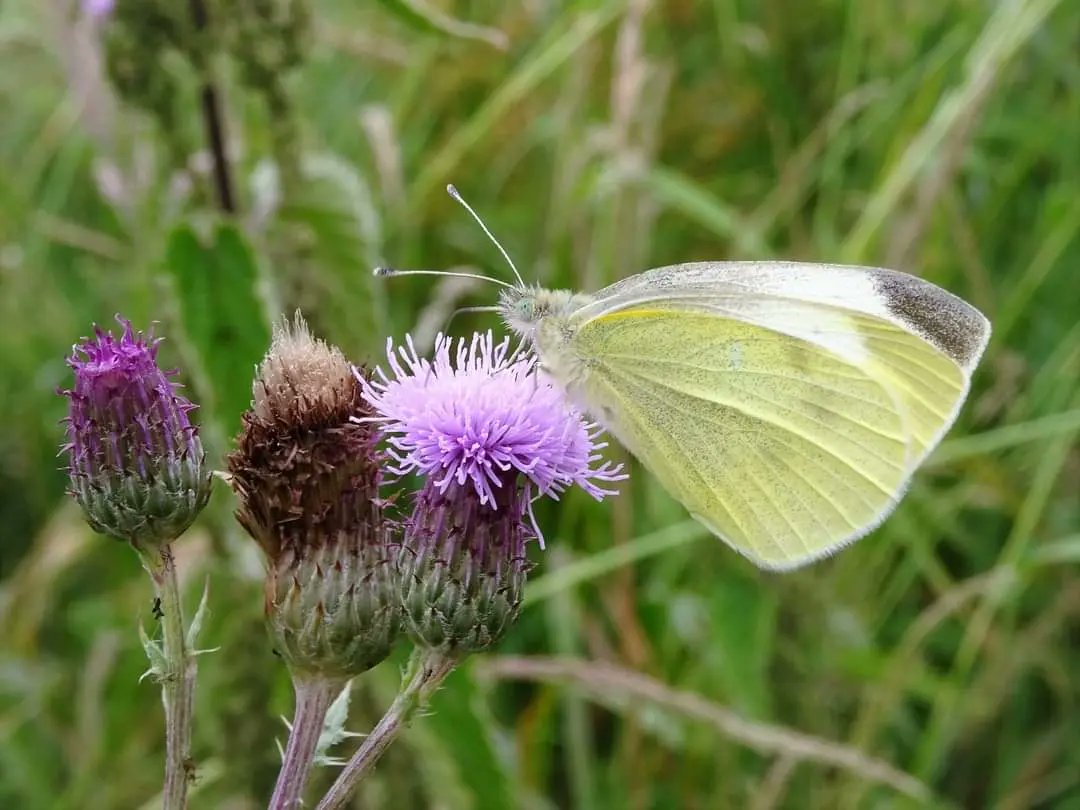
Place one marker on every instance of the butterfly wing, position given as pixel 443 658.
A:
pixel 784 405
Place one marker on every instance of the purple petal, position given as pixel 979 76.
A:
pixel 471 416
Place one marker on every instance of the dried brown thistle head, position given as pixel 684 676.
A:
pixel 307 475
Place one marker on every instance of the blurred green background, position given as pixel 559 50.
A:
pixel 935 663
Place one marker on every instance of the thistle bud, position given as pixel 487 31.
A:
pixel 489 435
pixel 307 476
pixel 137 466
pixel 463 567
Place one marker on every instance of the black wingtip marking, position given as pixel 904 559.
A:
pixel 952 325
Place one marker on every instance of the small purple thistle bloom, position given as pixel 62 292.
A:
pixel 489 434
pixel 124 409
pixel 136 462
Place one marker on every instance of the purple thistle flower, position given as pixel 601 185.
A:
pixel 489 434
pixel 135 459
pixel 474 417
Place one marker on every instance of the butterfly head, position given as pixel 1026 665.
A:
pixel 524 308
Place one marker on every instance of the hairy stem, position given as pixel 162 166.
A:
pixel 425 672
pixel 314 694
pixel 177 679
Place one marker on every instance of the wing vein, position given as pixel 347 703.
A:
pixel 905 370
pixel 813 488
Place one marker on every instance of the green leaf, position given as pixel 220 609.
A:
pixel 222 316
pixel 154 652
pixel 200 616
pixel 336 211
pixel 333 730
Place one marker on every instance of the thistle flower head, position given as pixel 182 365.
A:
pixel 307 477
pixel 135 459
pixel 488 433
pixel 472 417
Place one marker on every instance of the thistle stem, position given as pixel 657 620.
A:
pixel 177 680
pixel 314 694
pixel 426 670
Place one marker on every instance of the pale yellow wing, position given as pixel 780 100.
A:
pixel 788 426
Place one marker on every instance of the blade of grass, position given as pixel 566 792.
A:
pixel 533 69
pixel 1003 438
pixel 1008 30
pixel 622 689
pixel 425 18
pixel 595 566
pixel 946 716
pixel 690 199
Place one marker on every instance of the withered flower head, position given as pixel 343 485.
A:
pixel 307 476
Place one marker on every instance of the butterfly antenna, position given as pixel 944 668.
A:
pixel 463 311
pixel 388 272
pixel 453 192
